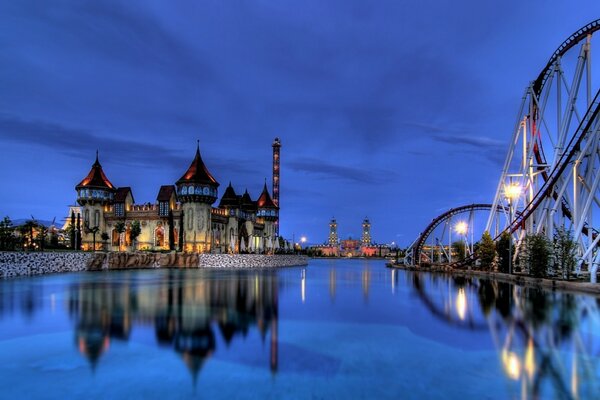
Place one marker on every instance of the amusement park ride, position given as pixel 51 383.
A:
pixel 551 175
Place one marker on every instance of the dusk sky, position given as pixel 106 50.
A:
pixel 395 110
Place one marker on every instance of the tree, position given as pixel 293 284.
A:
pixel 564 252
pixel 459 249
pixel 502 247
pixel 135 231
pixel 120 228
pixel 26 231
pixel 94 231
pixel 104 236
pixel 41 236
pixel 71 231
pixel 536 254
pixel 7 234
pixel 486 251
pixel 7 237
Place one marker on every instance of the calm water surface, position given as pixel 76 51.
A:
pixel 335 329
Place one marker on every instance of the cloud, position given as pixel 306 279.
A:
pixel 491 149
pixel 327 170
pixel 81 143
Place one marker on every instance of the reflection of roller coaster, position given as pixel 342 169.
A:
pixel 554 156
pixel 545 341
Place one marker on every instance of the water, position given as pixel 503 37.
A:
pixel 336 329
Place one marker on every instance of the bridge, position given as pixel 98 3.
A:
pixel 551 175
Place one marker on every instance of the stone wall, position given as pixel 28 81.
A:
pixel 13 264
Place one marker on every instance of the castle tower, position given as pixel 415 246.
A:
pixel 366 233
pixel 276 162
pixel 333 235
pixel 268 213
pixel 197 191
pixel 94 193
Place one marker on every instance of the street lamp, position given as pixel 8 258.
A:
pixel 512 193
pixel 461 228
pixel 302 241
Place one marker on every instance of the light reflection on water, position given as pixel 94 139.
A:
pixel 345 328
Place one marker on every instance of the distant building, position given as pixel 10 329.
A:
pixel 350 247
pixel 366 233
pixel 182 218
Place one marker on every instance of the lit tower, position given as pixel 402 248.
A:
pixel 366 233
pixel 267 213
pixel 197 191
pixel 276 162
pixel 95 193
pixel 333 235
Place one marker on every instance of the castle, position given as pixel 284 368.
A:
pixel 182 218
pixel 351 247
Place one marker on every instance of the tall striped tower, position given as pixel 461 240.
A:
pixel 276 154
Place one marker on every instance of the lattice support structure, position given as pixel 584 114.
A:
pixel 554 155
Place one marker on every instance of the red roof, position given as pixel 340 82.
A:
pixel 197 172
pixel 165 193
pixel 96 178
pixel 265 201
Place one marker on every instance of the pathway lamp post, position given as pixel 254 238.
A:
pixel 512 193
pixel 462 228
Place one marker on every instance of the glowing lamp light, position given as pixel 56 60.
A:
pixel 461 228
pixel 461 304
pixel 303 239
pixel 512 364
pixel 512 191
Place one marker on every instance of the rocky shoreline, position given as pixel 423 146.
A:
pixel 517 279
pixel 14 264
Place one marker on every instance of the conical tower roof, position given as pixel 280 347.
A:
pixel 197 172
pixel 265 200
pixel 247 203
pixel 95 178
pixel 229 199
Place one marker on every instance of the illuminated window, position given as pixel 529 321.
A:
pixel 163 208
pixel 159 237
pixel 119 209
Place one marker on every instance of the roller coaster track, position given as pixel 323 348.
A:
pixel 417 246
pixel 569 43
pixel 560 184
pixel 585 127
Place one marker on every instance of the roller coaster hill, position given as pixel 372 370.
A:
pixel 551 175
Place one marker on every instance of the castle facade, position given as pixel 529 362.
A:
pixel 183 217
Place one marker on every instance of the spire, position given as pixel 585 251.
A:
pixel 197 172
pixel 230 198
pixel 96 178
pixel 265 200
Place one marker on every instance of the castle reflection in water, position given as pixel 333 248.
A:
pixel 547 342
pixel 183 312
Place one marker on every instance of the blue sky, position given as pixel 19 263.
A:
pixel 395 110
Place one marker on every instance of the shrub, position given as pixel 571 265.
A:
pixel 536 255
pixel 564 252
pixel 486 251
pixel 502 247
